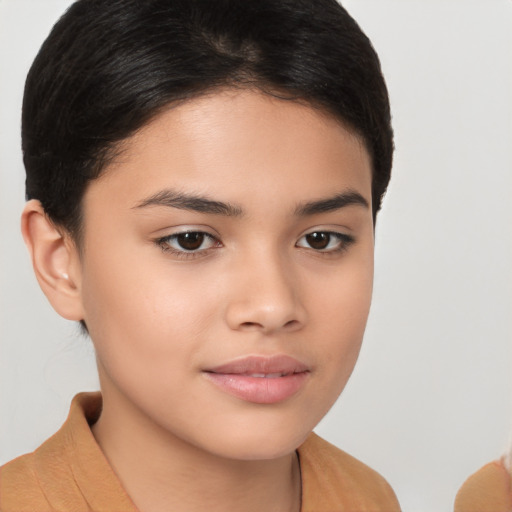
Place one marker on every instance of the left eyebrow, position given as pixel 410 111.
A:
pixel 329 204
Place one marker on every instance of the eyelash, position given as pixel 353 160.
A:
pixel 344 242
pixel 164 244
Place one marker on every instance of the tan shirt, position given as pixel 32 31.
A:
pixel 487 490
pixel 69 473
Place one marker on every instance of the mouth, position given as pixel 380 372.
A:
pixel 260 379
pixel 265 375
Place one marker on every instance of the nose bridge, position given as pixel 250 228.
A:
pixel 265 293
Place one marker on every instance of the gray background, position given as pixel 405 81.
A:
pixel 431 398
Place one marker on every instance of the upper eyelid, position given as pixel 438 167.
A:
pixel 176 231
pixel 344 233
pixel 323 230
pixel 338 234
pixel 341 234
pixel 332 231
pixel 164 244
pixel 174 235
pixel 185 231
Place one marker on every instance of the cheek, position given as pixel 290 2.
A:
pixel 142 310
pixel 340 316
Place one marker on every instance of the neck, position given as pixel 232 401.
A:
pixel 162 472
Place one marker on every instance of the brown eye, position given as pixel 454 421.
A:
pixel 193 242
pixel 318 240
pixel 190 241
pixel 326 241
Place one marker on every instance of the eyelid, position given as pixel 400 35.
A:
pixel 184 228
pixel 163 243
pixel 345 240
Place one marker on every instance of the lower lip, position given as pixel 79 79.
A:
pixel 259 390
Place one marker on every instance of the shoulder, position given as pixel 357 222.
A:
pixel 333 478
pixel 19 486
pixel 487 490
pixel 45 480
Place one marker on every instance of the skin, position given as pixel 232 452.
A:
pixel 158 317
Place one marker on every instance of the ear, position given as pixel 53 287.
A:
pixel 55 260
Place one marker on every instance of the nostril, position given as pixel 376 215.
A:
pixel 251 325
pixel 289 326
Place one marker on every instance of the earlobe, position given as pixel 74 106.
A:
pixel 55 260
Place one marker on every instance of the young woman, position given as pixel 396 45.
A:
pixel 203 180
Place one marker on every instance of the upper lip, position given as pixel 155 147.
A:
pixel 263 365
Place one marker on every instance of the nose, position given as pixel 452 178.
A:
pixel 265 296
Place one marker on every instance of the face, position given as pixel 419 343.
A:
pixel 226 273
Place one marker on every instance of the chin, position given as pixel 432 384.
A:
pixel 260 443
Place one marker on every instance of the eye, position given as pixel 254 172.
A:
pixel 188 242
pixel 325 241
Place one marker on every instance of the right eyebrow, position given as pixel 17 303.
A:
pixel 173 199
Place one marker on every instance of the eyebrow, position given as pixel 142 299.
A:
pixel 329 204
pixel 173 199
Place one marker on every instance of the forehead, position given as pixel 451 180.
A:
pixel 239 145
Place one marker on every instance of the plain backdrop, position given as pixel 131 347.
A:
pixel 430 400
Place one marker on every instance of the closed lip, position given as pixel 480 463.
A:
pixel 261 366
pixel 260 379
